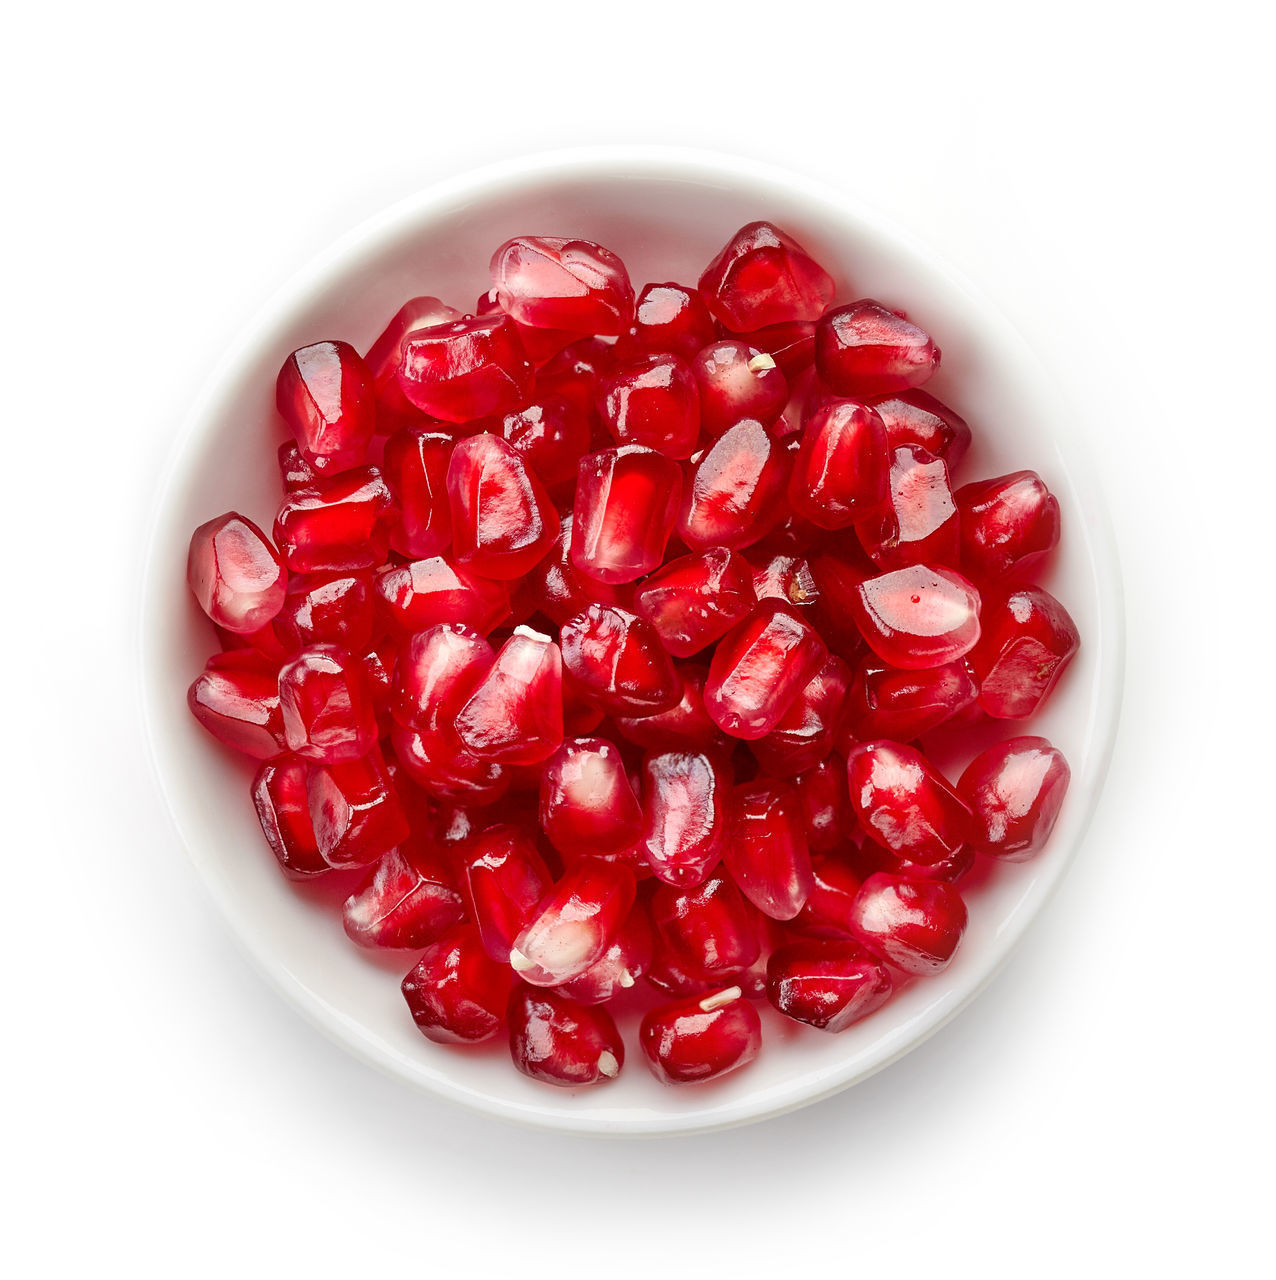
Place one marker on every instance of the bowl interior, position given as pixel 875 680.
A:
pixel 666 216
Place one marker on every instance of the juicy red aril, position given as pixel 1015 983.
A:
pixel 710 929
pixel 294 470
pixel 805 733
pixel 652 400
pixel 918 523
pixel 759 668
pixel 326 700
pixel 409 900
pixel 236 698
pixel 506 878
pixel 762 276
pixel 1014 790
pixel 686 726
pixel 550 282
pixel 235 574
pixel 790 344
pixel 767 852
pixel 871 858
pixel 905 803
pixel 411 597
pixel 626 501
pixel 575 371
pixel 828 911
pixel 695 600
pixel 327 608
pixel 827 984
pixel 456 993
pixel 626 960
pixel 921 616
pixel 884 702
pixel 324 394
pixel 279 796
pixel 826 804
pixel 515 715
pixel 913 924
pixel 550 437
pixel 863 349
pixel 386 354
pixel 842 469
pixel 437 671
pixel 355 810
pixel 448 772
pixel 837 581
pixel 342 522
pixel 916 417
pixel 685 807
pixel 556 588
pixel 671 317
pixel 586 802
pixel 1028 640
pixel 560 1041
pixel 737 381
pixel 466 369
pixel 614 659
pixel 1007 524
pixel 416 463
pixel 702 1037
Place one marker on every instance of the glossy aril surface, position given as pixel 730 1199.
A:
pixel 614 660
pixel 737 381
pixel 918 617
pixel 710 929
pixel 235 574
pixel 587 804
pixel 918 522
pixel 505 880
pixel 1014 790
pixel 865 349
pixel 702 1037
pixel 437 670
pixel 326 702
pixel 696 599
pixel 1027 642
pixel 829 985
pixel 1008 525
pixel 686 726
pixel 456 993
pixel 804 735
pixel 767 852
pixel 551 282
pixel 826 804
pixel 416 466
pixel 279 796
pixel 686 799
pixel 559 590
pixel 409 901
pixel 515 714
pixel 411 597
pixel 386 353
pixel 236 698
pixel 341 522
pixel 466 369
pixel 791 344
pixel 560 1041
pixel 324 393
pixel 327 608
pixel 829 909
pixel 916 417
pixel 652 400
pixel 842 469
pixel 915 925
pixel 885 702
pixel 355 810
pixel 671 317
pixel 762 276
pixel 550 437
pixel 735 492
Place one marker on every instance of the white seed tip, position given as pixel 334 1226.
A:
pixel 761 361
pixel 519 962
pixel 626 979
pixel 530 633
pixel 607 1064
pixel 491 295
pixel 719 998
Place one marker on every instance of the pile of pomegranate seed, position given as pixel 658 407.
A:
pixel 602 635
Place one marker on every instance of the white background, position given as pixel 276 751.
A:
pixel 1102 171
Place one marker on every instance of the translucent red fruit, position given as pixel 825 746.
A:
pixel 550 436
pixel 767 852
pixel 409 900
pixel 709 929
pixel 842 469
pixel 626 501
pixel 294 471
pixel 1008 524
pixel 614 659
pixel 574 924
pixel 586 803
pixel 355 810
pixel 445 770
pixel 556 588
pixel 327 608
pixel 790 344
pixel 466 369
pixel 918 522
pixel 1015 790
pixel 863 349
pixel 574 372
pixel 702 1037
pixel 1028 640
pixel 916 417
pixel 759 668
pixel 415 464
pixel 762 276
pixel 560 1041
pixel 652 400
pixel 502 519
pixel 515 715
pixel 386 354
pixel 279 796
pixel 671 317
pixel 737 381
pixel 870 857
pixel 626 960
pixel 506 878
pixel 341 522
pixel 413 596
pixel 735 493
pixel 905 803
pixel 236 698
pixel 551 282
pixel 829 908
pixel 324 393
pixel 913 924
pixel 695 600
pixel 235 574
pixel 825 804
pixel 884 702
pixel 327 706
pixel 457 994
pixel 686 726
pixel 437 671
pixel 806 732
pixel 917 617
pixel 829 985
pixel 686 799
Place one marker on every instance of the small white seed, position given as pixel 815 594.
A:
pixel 607 1064
pixel 719 998
pixel 761 361
pixel 519 962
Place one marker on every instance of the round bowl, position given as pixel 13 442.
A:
pixel 666 212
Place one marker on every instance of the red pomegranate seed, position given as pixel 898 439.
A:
pixel 586 802
pixel 759 668
pixel 324 394
pixel 886 703
pixel 506 878
pixel 788 578
pixel 411 597
pixel 409 900
pixel 667 975
pixel 626 960
pixel 515 716
pixel 437 671
pixel 671 317
pixel 1007 525
pixel 695 600
pixel 702 1037
pixel 327 608
pixel 736 490
pixel 467 369
pixel 326 700
pixel 355 811
pixel 550 282
pixel 708 929
pixel 550 437
pixel 279 796
pixel 842 469
pixel 574 373
pixel 790 344
pixel 837 581
pixel 556 588
pixel 918 524
pixel 416 463
pixel 762 277
pixel 916 417
pixel 905 803
pixel 685 806
pixel 614 659
pixel 236 698
pixel 871 858
pixel 767 853
pixel 235 574
pixel 560 1041
pixel 456 993
pixel 386 354
pixel 294 471
pixel 917 617
pixel 341 523
pixel 686 726
pixel 626 501
pixel 806 732
pixel 541 345
pixel 829 985
pixel 574 924
pixel 441 769
pixel 913 924
pixel 737 381
pixel 828 911
pixel 863 349
pixel 652 400
pixel 1028 640
pixel 1015 790
pixel 825 804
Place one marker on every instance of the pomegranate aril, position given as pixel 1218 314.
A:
pixel 586 802
pixel 695 600
pixel 864 349
pixel 1028 640
pixel 294 471
pixel 1015 790
pixel 625 961
pixel 409 900
pixel 737 381
pixel 506 878
pixel 550 437
pixel 870 857
pixel 918 617
pixel 652 400
pixel 761 277
pixel 790 344
pixel 574 373
pixel 556 588
pixel 1008 524
pixel 785 577
pixel 913 924
pixel 671 317
pixel 837 578
pixel 386 354
pixel 437 671
pixel 416 463
pixel 235 574
pixel 686 726
pixel 887 703
pixel 806 732
pixel 829 985
pixel 236 698
pixel 457 994
pixel 916 417
pixel 828 911
pixel 326 700
pixel 414 596
pixel 842 469
pixel 686 797
pixel 515 715
pixel 355 810
pixel 435 764
pixel 918 523
pixel 614 659
pixel 551 282
pixel 767 853
pixel 327 608
pixel 825 804
pixel 707 929
pixel 341 523
pixel 279 796
pixel 324 393
pixel 560 1041
pixel 702 1037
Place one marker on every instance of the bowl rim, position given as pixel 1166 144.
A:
pixel 619 162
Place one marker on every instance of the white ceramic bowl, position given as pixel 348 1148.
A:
pixel 666 212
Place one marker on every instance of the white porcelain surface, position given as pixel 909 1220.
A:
pixel 666 212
